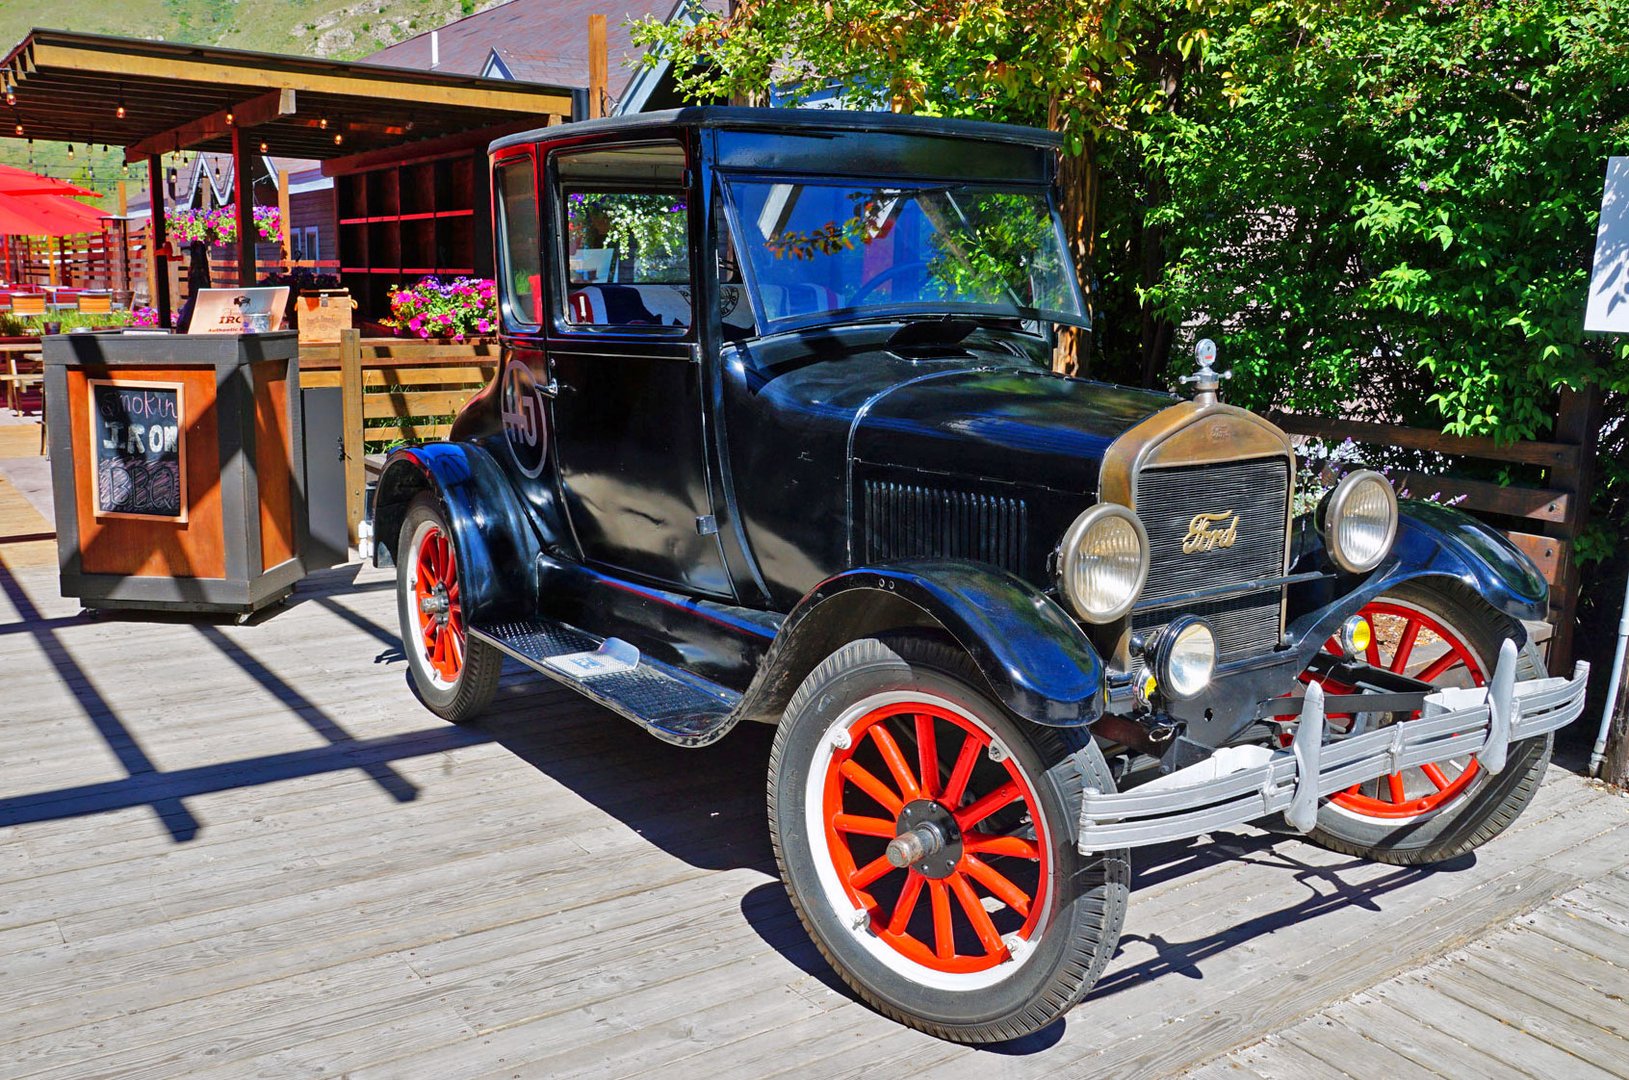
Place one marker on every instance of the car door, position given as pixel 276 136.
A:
pixel 630 414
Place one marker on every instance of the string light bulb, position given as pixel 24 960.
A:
pixel 70 151
pixel 20 134
pixel 119 112
pixel 338 139
pixel 323 123
pixel 262 147
pixel 229 116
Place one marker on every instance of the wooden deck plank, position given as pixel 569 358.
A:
pixel 1404 1034
pixel 561 893
pixel 1507 1001
pixel 1594 985
pixel 1349 1050
pixel 1276 1058
pixel 1500 1039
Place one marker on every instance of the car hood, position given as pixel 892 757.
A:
pixel 1009 425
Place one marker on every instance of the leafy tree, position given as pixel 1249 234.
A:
pixel 1380 208
pixel 1088 69
pixel 1392 211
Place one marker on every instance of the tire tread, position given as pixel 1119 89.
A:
pixel 1088 952
pixel 1491 810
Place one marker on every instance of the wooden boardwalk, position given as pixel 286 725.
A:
pixel 248 851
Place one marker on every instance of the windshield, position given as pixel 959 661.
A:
pixel 832 246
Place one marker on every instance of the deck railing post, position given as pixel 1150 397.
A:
pixel 1578 423
pixel 350 389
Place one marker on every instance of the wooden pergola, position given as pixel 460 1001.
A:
pixel 156 97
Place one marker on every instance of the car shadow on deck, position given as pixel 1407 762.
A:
pixel 707 807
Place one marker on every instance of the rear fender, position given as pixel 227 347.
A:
pixel 1035 658
pixel 497 547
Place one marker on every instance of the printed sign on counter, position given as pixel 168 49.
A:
pixel 140 449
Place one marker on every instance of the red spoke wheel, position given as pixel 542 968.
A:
pixel 440 616
pixel 454 675
pixel 1411 641
pixel 928 843
pixel 967 906
pixel 1440 633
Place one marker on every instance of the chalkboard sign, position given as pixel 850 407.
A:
pixel 139 443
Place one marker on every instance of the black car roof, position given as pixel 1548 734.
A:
pixel 726 116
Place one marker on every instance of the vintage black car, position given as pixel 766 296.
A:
pixel 776 438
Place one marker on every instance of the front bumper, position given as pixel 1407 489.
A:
pixel 1237 785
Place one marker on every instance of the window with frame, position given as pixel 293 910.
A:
pixel 624 236
pixel 520 250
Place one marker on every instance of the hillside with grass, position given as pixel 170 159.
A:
pixel 333 29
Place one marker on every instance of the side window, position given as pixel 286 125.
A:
pixel 625 236
pixel 520 242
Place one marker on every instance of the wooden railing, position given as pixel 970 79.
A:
pixel 1543 520
pixel 394 390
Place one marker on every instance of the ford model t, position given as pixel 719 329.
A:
pixel 775 439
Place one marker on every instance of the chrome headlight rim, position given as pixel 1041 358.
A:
pixel 1164 649
pixel 1070 556
pixel 1334 514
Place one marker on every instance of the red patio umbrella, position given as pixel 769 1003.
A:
pixel 47 215
pixel 43 215
pixel 15 181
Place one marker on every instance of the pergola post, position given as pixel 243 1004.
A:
pixel 243 194
pixel 158 264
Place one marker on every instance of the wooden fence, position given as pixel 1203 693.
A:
pixel 1543 520
pixel 394 390
pixel 117 259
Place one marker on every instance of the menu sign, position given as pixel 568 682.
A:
pixel 139 450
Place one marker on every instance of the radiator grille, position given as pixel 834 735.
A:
pixel 1257 494
pixel 1245 625
pixel 910 521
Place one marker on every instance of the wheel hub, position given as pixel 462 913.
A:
pixel 436 605
pixel 927 839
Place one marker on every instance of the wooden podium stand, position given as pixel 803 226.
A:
pixel 175 467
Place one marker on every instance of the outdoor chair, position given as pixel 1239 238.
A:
pixel 24 370
pixel 28 304
pixel 95 303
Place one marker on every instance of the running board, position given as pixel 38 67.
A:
pixel 674 706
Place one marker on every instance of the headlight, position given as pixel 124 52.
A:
pixel 1359 521
pixel 1185 658
pixel 1104 562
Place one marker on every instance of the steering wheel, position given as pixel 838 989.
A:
pixel 882 279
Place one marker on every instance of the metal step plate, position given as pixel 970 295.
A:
pixel 675 706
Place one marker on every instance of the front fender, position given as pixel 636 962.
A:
pixel 1432 541
pixel 497 548
pixel 1036 659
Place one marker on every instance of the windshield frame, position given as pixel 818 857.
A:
pixel 868 313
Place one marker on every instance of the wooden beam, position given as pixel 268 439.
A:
pixel 158 275
pixel 350 396
pixel 283 215
pixel 243 198
pixel 1550 555
pixel 598 67
pixel 252 71
pixel 1551 455
pixel 255 111
pixel 1540 504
